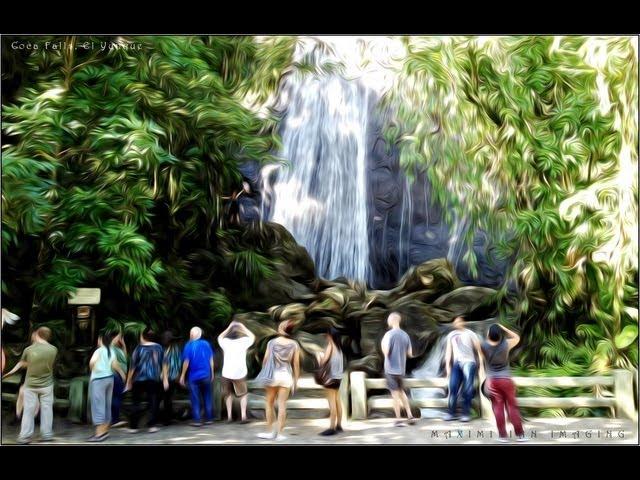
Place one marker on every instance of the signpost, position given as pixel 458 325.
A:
pixel 85 296
pixel 83 318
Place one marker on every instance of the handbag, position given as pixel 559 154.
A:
pixel 322 375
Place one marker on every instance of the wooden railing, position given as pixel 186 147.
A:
pixel 621 384
pixel 299 401
pixel 353 393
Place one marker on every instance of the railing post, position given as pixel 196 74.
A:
pixel 358 396
pixel 623 394
pixel 78 409
pixel 217 398
pixel 343 397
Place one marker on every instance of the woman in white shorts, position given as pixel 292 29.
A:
pixel 279 375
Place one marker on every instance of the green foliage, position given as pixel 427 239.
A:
pixel 535 142
pixel 117 165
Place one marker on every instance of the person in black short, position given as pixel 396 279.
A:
pixel 331 361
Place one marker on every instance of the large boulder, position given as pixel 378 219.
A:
pixel 475 303
pixel 431 279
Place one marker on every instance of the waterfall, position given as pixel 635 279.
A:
pixel 404 237
pixel 320 193
pixel 456 244
pixel 431 368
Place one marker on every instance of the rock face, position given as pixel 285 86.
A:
pixel 427 297
pixel 405 226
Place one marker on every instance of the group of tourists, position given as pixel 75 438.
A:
pixel 155 371
pixel 465 357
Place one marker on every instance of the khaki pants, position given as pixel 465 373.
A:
pixel 33 397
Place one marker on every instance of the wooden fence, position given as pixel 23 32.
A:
pixel 620 383
pixel 299 401
pixel 353 395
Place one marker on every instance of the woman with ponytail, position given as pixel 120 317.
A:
pixel 103 364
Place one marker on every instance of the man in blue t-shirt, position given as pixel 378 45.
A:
pixel 197 360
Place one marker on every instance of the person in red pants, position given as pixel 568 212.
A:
pixel 501 388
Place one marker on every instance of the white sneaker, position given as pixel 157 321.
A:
pixel 153 429
pixel 267 436
pixel 522 439
pixel 281 437
pixel 503 440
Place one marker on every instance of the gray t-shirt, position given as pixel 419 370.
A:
pixel 396 360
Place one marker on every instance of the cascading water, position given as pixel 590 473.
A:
pixel 320 193
pixel 456 243
pixel 430 369
pixel 404 241
pixel 320 196
pixel 342 196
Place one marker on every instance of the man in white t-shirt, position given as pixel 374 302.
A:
pixel 463 348
pixel 235 341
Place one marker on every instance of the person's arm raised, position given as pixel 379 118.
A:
pixel 225 332
pixel 249 333
pixel 513 338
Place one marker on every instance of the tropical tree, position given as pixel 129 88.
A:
pixel 532 142
pixel 116 162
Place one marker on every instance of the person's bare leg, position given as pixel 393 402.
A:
pixel 243 406
pixel 406 404
pixel 395 394
pixel 229 403
pixel 338 409
pixel 270 400
pixel 331 397
pixel 283 395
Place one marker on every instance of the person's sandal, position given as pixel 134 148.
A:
pixel 328 432
pixel 99 438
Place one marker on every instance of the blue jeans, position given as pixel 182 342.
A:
pixel 116 400
pixel 462 375
pixel 201 388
